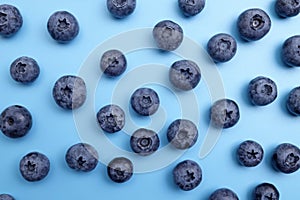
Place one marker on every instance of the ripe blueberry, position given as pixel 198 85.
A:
pixel 113 63
pixel 265 191
pixel 191 7
pixel 287 8
pixel 290 51
pixel 11 20
pixel 6 197
pixel 121 8
pixel 24 69
pixel 120 169
pixel 223 194
pixel 293 101
pixel 250 153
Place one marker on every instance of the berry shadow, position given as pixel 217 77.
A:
pixel 245 96
pixel 170 182
pixel 283 106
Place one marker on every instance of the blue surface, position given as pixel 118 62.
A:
pixel 54 129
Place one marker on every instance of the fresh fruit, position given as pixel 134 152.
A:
pixel 222 47
pixel 82 157
pixel 15 121
pixel 262 91
pixel 144 142
pixel 265 191
pixel 34 166
pixel 187 175
pixel 223 194
pixel 293 101
pixel 250 153
pixel 121 8
pixel 191 7
pixel 290 51
pixel 63 26
pixel 287 8
pixel 24 69
pixel 113 63
pixel 182 133
pixel 168 35
pixel 184 74
pixel 69 92
pixel 120 169
pixel 6 197
pixel 11 20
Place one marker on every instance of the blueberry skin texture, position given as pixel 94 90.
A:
pixel 111 118
pixel 121 8
pixel 187 175
pixel 191 7
pixel 145 101
pixel 290 51
pixel 69 92
pixel 11 20
pixel 62 26
pixel 265 191
pixel 222 47
pixel 34 166
pixel 120 169
pixel 15 121
pixel 286 158
pixel 253 24
pixel 168 35
pixel 6 197
pixel 223 194
pixel 224 113
pixel 24 70
pixel 113 63
pixel 182 133
pixel 144 142
pixel 293 101
pixel 82 157
pixel 287 8
pixel 262 91
pixel 250 153
pixel 184 75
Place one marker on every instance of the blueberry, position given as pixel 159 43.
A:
pixel 191 7
pixel 222 47
pixel 224 113
pixel 262 91
pixel 11 20
pixel 121 8
pixel 145 101
pixel 111 118
pixel 293 101
pixel 120 169
pixel 24 70
pixel 265 191
pixel 69 92
pixel 290 51
pixel 168 35
pixel 223 194
pixel 250 153
pixel 63 26
pixel 15 121
pixel 144 142
pixel 82 157
pixel 182 133
pixel 286 158
pixel 6 197
pixel 287 8
pixel 253 24
pixel 113 63
pixel 187 175
pixel 184 74
pixel 34 166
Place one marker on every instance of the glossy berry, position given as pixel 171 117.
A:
pixel 69 92
pixel 111 118
pixel 24 70
pixel 6 197
pixel 290 51
pixel 145 101
pixel 265 191
pixel 63 26
pixel 287 8
pixel 224 113
pixel 121 8
pixel 15 121
pixel 184 74
pixel 82 157
pixel 11 20
pixel 286 158
pixel 293 101
pixel 168 35
pixel 262 91
pixel 34 166
pixel 191 7
pixel 113 63
pixel 187 175
pixel 222 47
pixel 120 169
pixel 250 153
pixel 182 133
pixel 253 24
pixel 144 142
pixel 223 194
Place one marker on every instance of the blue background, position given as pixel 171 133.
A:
pixel 54 131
